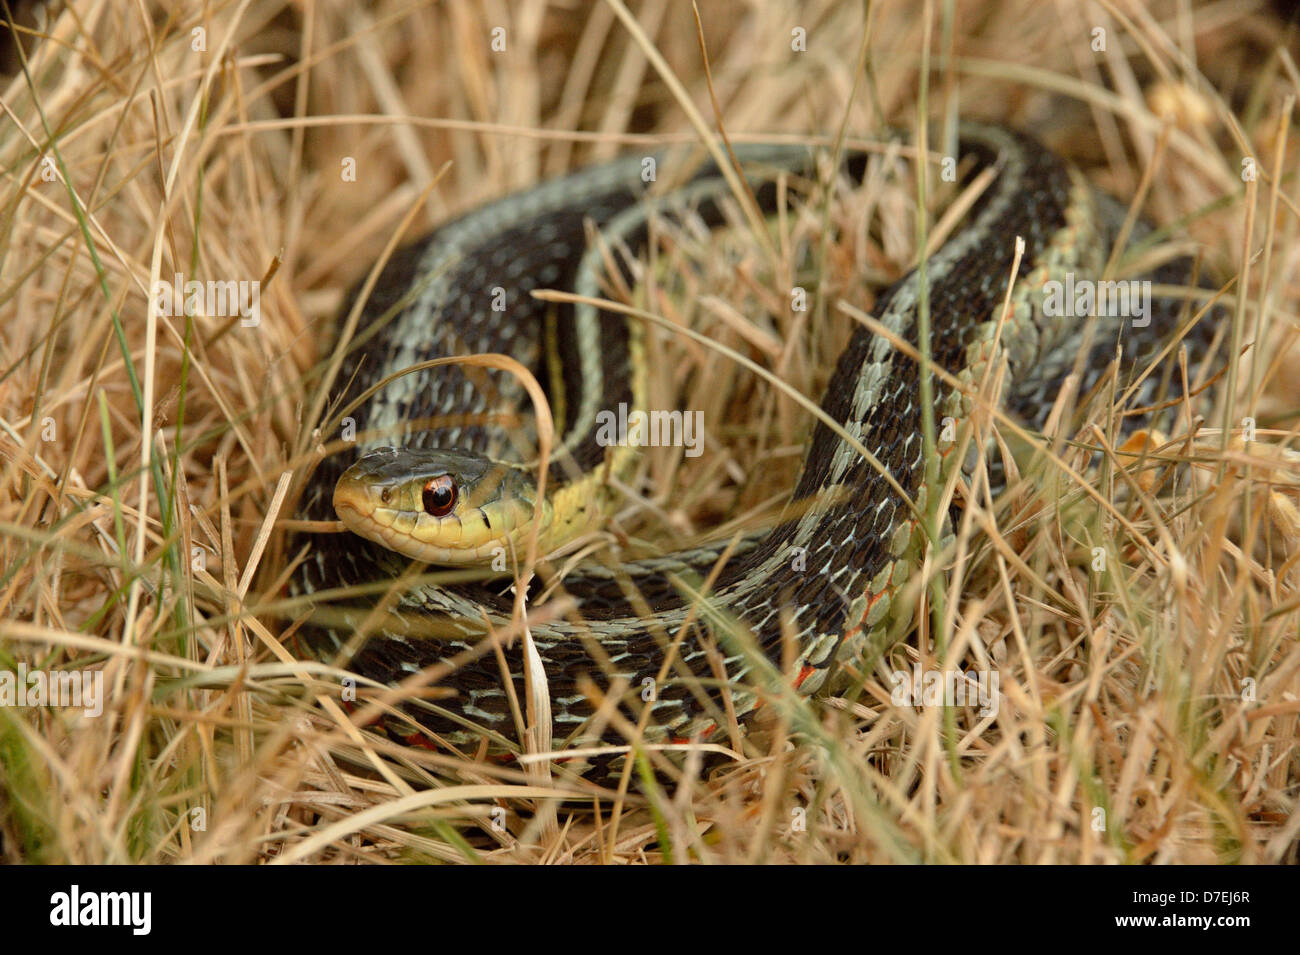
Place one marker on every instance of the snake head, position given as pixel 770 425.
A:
pixel 439 506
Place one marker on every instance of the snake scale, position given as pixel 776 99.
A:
pixel 819 586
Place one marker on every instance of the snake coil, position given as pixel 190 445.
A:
pixel 638 624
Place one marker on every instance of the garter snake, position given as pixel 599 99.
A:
pixel 432 476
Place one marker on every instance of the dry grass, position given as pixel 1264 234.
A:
pixel 1160 696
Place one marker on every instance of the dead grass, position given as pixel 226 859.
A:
pixel 1149 709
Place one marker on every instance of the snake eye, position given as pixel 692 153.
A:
pixel 386 494
pixel 440 495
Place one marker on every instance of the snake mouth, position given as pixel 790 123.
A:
pixel 359 504
pixel 351 516
pixel 363 517
pixel 351 502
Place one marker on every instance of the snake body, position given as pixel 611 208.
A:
pixel 818 587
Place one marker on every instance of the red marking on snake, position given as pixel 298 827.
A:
pixel 707 732
pixel 420 740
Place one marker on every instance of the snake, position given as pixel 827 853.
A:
pixel 439 467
